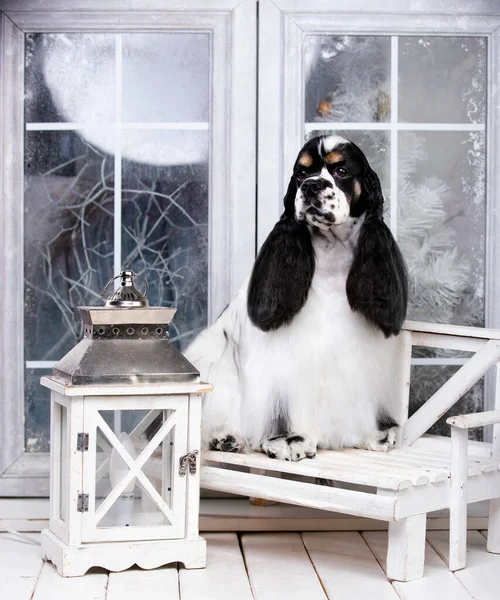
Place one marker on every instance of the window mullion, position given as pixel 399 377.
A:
pixel 117 244
pixel 394 136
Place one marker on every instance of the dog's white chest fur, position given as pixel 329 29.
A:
pixel 327 373
pixel 329 366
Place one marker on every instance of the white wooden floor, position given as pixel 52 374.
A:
pixel 267 566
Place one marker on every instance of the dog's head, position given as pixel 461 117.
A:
pixel 331 181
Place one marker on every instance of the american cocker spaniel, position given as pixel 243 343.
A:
pixel 302 358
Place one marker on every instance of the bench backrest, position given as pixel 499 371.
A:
pixel 485 343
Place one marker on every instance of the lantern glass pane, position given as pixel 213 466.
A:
pixel 64 455
pixel 145 499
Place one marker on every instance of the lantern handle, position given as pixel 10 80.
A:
pixel 121 275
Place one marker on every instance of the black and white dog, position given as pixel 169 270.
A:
pixel 302 357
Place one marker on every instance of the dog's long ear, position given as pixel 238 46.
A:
pixel 283 271
pixel 377 284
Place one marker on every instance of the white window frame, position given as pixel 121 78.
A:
pixel 283 25
pixel 232 27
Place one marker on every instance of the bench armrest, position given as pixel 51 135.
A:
pixel 456 330
pixel 490 417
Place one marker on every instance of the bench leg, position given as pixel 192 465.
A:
pixel 458 499
pixel 494 526
pixel 406 549
pixel 493 544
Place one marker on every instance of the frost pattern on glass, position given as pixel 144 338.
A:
pixel 166 77
pixel 165 234
pixel 441 224
pixel 426 380
pixel 68 247
pixel 442 79
pixel 347 78
pixel 70 77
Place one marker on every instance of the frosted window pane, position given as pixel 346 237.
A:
pixel 442 224
pixel 426 380
pixel 166 148
pixel 165 227
pixel 36 411
pixel 70 77
pixel 442 79
pixel 347 78
pixel 68 247
pixel 166 77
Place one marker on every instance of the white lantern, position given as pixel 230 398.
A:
pixel 125 440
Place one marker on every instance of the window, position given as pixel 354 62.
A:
pixel 124 141
pixel 116 176
pixel 163 173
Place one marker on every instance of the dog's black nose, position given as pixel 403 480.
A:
pixel 314 186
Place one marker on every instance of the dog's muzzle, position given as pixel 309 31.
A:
pixel 315 185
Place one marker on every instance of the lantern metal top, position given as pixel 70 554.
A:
pixel 125 342
pixel 127 295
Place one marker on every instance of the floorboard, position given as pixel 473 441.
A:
pixel 225 575
pixel 481 577
pixel 52 586
pixel 158 584
pixel 347 567
pixel 20 566
pixel 438 582
pixel 279 567
pixel 263 566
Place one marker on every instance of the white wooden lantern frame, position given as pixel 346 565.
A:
pixel 76 540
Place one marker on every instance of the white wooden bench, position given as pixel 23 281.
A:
pixel 423 473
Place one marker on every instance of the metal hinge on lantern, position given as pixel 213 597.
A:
pixel 82 442
pixel 188 459
pixel 82 503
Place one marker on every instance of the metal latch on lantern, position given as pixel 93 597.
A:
pixel 188 459
pixel 82 503
pixel 82 442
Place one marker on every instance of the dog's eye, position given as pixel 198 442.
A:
pixel 341 172
pixel 301 173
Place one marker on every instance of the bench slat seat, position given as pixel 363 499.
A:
pixel 396 470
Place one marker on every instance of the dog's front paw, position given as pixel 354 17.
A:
pixel 227 443
pixel 383 441
pixel 292 447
